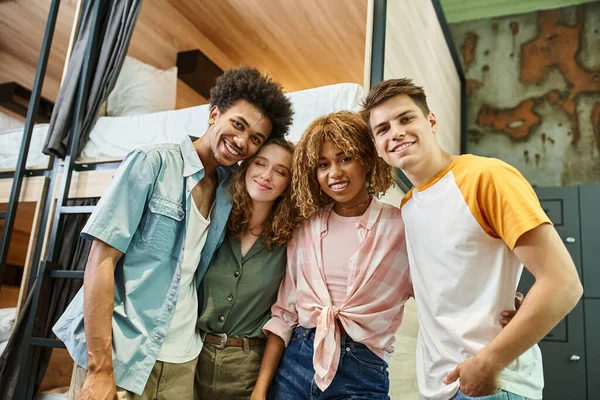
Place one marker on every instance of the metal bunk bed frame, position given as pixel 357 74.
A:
pixel 44 271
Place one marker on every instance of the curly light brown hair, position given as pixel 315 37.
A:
pixel 283 219
pixel 350 134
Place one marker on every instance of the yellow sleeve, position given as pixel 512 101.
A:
pixel 501 199
pixel 406 198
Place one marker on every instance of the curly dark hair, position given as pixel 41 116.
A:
pixel 246 83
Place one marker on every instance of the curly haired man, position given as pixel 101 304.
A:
pixel 131 329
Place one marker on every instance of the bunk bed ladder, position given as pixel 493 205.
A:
pixel 20 169
pixel 49 269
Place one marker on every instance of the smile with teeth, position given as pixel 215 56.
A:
pixel 339 186
pixel 231 149
pixel 402 147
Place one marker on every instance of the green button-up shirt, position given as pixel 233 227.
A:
pixel 238 292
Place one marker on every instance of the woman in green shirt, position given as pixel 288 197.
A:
pixel 243 278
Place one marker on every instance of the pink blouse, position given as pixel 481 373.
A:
pixel 378 286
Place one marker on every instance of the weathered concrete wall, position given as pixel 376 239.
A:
pixel 534 92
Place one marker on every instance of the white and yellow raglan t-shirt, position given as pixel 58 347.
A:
pixel 461 228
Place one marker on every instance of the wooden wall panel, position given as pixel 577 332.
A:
pixel 58 374
pixel 416 48
pixel 22 25
pixel 187 97
pixel 21 231
pixel 161 32
pixel 301 44
pixel 30 189
pixel 8 296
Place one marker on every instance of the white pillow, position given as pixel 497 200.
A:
pixel 7 322
pixel 7 122
pixel 142 89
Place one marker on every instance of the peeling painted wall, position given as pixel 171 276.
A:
pixel 533 84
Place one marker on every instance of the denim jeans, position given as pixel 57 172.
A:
pixel 499 395
pixel 361 374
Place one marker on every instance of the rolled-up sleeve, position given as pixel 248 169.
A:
pixel 120 209
pixel 284 316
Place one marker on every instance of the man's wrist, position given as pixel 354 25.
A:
pixel 492 359
pixel 95 366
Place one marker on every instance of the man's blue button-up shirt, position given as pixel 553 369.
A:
pixel 143 214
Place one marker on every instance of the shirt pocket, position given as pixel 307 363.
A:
pixel 163 227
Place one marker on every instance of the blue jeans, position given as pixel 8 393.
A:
pixel 361 374
pixel 499 395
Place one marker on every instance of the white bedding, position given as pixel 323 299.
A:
pixel 113 137
pixel 7 322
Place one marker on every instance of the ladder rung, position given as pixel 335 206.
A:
pixel 63 274
pixel 76 209
pixel 3 214
pixel 54 343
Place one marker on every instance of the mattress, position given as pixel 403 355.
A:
pixel 10 144
pixel 113 137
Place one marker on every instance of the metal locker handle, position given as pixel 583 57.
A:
pixel 575 357
pixel 570 239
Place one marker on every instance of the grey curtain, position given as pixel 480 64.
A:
pixel 117 20
pixel 74 251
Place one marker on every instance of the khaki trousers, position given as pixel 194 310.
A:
pixel 227 374
pixel 167 382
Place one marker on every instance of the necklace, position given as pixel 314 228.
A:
pixel 353 207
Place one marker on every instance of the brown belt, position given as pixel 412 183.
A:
pixel 221 341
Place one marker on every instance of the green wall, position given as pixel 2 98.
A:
pixel 466 10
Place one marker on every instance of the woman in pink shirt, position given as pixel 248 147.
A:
pixel 347 279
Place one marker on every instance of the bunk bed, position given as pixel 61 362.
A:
pixel 49 183
pixel 113 137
